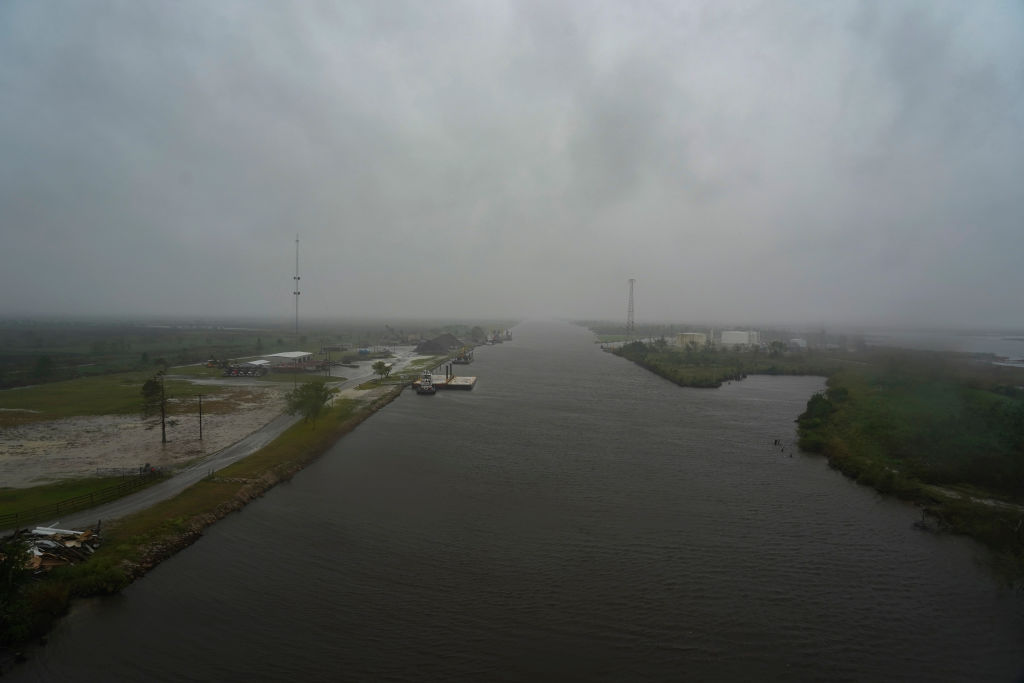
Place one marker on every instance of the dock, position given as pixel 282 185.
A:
pixel 451 382
pixel 454 382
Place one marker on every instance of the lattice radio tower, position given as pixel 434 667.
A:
pixel 629 312
pixel 296 292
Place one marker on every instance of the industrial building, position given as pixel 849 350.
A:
pixel 291 360
pixel 734 338
pixel 698 339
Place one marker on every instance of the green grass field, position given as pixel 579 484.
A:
pixel 121 394
pixel 203 372
pixel 293 377
pixel 13 500
pixel 116 394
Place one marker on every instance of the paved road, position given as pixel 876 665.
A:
pixel 186 477
pixel 168 488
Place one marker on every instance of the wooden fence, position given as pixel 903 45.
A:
pixel 51 512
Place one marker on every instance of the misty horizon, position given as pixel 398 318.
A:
pixel 314 326
pixel 853 164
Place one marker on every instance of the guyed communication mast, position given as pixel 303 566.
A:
pixel 630 327
pixel 296 292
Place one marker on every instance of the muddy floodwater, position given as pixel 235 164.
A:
pixel 42 452
pixel 572 518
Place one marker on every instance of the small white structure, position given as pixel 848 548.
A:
pixel 798 344
pixel 733 338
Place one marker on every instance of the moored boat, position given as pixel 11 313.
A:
pixel 426 384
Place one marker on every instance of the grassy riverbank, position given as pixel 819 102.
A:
pixel 709 367
pixel 942 430
pixel 411 371
pixel 135 544
pixel 946 435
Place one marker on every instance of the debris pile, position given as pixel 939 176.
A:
pixel 49 547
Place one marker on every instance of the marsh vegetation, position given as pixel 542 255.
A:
pixel 943 430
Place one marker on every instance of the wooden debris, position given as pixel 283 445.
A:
pixel 49 547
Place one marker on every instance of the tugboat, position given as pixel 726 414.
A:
pixel 426 385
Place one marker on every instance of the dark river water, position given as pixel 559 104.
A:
pixel 573 518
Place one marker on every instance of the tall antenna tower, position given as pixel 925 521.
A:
pixel 296 278
pixel 629 312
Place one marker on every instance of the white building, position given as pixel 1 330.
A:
pixel 290 358
pixel 734 338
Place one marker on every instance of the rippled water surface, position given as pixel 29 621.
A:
pixel 573 518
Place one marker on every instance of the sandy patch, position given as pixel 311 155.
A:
pixel 41 452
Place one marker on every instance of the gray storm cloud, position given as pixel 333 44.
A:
pixel 752 162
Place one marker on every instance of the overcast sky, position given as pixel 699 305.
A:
pixel 746 162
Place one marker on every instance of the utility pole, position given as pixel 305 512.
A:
pixel 200 417
pixel 630 326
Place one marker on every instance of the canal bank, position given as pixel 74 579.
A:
pixel 135 543
pixel 572 518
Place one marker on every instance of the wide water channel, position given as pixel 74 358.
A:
pixel 575 517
